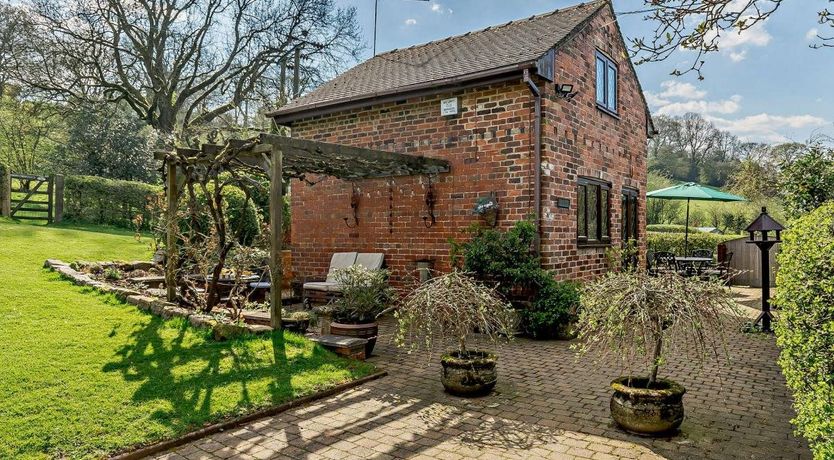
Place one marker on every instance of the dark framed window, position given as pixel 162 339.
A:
pixel 629 215
pixel 593 218
pixel 606 83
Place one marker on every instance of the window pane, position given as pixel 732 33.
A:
pixel 612 88
pixel 603 216
pixel 633 217
pixel 601 81
pixel 593 218
pixel 580 216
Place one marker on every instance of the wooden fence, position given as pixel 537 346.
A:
pixel 28 197
pixel 747 262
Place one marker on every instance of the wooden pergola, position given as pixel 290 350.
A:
pixel 284 157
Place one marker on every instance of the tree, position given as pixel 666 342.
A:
pixel 698 25
pixel 29 131
pixel 180 64
pixel 107 141
pixel 808 182
pixel 14 33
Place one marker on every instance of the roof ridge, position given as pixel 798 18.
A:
pixel 493 27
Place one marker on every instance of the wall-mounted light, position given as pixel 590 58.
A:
pixel 565 91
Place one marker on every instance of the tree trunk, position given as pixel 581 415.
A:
pixel 655 360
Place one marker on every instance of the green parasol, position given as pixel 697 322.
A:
pixel 692 191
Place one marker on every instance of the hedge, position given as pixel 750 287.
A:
pixel 805 326
pixel 669 228
pixel 96 200
pixel 674 242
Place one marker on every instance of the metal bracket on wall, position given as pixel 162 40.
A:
pixel 355 194
pixel 430 220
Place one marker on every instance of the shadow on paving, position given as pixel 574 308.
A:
pixel 547 404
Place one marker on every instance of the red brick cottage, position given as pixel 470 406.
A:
pixel 474 100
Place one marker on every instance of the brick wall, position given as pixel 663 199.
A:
pixel 489 147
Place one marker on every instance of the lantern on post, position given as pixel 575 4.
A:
pixel 759 232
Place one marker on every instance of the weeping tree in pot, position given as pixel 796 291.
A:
pixel 452 307
pixel 641 320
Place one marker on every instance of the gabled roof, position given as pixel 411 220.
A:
pixel 474 55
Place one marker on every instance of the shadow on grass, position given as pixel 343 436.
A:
pixel 202 380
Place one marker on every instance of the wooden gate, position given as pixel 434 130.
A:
pixel 31 197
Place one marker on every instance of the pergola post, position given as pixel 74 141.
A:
pixel 171 241
pixel 276 217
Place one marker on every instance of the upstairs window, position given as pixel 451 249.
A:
pixel 593 212
pixel 606 83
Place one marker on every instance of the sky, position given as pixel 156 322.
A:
pixel 765 85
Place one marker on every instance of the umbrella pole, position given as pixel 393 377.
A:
pixel 686 232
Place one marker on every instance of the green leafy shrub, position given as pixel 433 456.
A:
pixel 808 181
pixel 552 311
pixel 365 294
pixel 805 330
pixel 674 242
pixel 506 259
pixel 96 200
pixel 242 216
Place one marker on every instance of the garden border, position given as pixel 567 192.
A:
pixel 148 304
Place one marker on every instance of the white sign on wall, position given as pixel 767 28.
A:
pixel 449 107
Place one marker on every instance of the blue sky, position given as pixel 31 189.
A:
pixel 765 85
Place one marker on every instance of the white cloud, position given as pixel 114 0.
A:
pixel 754 36
pixel 765 127
pixel 812 33
pixel 676 89
pixel 440 9
pixel 410 22
pixel 723 106
pixel 738 56
pixel 654 100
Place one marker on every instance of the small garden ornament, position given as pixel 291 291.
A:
pixel 487 207
pixel 638 319
pixel 453 306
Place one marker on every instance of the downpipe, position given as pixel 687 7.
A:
pixel 537 159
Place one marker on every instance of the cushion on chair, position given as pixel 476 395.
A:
pixel 326 286
pixel 260 285
pixel 370 260
pixel 339 261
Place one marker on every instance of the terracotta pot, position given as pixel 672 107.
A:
pixel 470 375
pixel 368 331
pixel 647 411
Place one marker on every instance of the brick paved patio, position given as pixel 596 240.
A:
pixel 546 405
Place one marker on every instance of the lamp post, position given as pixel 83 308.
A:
pixel 762 226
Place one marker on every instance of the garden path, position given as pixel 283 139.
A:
pixel 546 405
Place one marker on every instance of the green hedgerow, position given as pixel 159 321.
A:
pixel 805 329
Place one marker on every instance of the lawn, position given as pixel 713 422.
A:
pixel 83 375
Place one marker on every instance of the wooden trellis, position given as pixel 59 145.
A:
pixel 284 157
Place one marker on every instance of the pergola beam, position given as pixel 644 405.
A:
pixel 284 157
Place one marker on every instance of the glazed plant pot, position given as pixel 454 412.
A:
pixel 368 331
pixel 647 411
pixel 470 375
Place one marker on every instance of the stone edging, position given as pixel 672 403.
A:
pixel 152 449
pixel 152 305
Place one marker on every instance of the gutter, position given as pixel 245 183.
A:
pixel 498 75
pixel 537 160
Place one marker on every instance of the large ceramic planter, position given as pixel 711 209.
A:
pixel 470 375
pixel 647 411
pixel 368 331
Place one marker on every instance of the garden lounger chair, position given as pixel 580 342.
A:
pixel 324 291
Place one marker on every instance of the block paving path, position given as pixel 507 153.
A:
pixel 546 405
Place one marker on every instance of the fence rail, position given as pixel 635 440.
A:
pixel 29 197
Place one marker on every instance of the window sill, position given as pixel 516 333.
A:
pixel 607 111
pixel 593 244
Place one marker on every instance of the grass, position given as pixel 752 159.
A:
pixel 83 375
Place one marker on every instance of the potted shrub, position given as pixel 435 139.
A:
pixel 639 319
pixel 364 295
pixel 452 306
